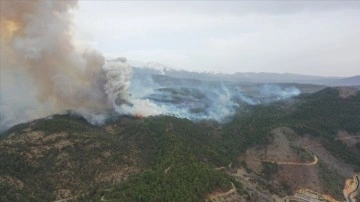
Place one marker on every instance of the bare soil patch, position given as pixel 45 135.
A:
pixel 297 177
pixel 285 148
pixel 346 92
pixel 338 165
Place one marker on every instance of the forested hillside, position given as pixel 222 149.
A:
pixel 159 158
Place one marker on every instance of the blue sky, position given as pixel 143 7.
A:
pixel 305 37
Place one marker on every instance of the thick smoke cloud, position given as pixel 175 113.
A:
pixel 44 72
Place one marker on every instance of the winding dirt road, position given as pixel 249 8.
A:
pixel 224 194
pixel 314 162
pixel 346 138
pixel 351 197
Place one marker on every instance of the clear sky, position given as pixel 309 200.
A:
pixel 306 37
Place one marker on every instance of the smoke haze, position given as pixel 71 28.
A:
pixel 197 99
pixel 44 71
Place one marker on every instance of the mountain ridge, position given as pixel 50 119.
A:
pixel 251 77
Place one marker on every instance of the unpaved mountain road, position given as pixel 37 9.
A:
pixel 291 162
pixel 314 162
pixel 351 196
pixel 347 138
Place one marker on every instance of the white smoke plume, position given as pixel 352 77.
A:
pixel 198 100
pixel 44 72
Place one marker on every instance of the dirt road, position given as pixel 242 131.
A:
pixel 314 162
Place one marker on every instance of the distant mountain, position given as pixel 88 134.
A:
pixel 243 77
pixel 349 81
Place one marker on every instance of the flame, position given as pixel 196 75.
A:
pixel 8 29
pixel 138 116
